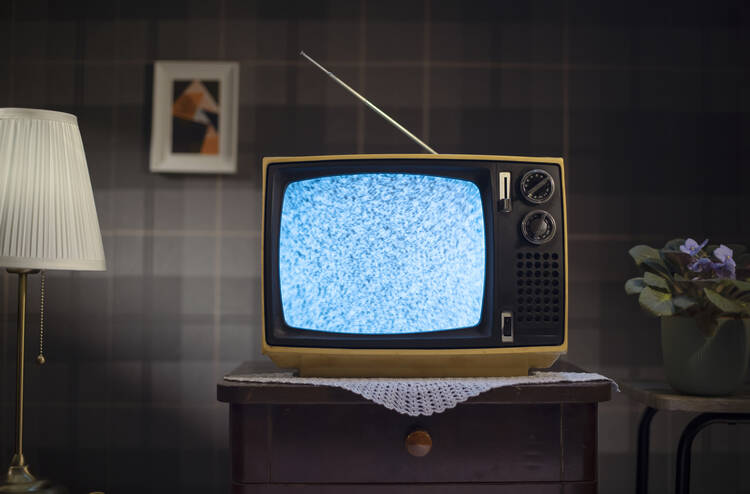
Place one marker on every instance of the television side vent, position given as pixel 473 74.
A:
pixel 539 288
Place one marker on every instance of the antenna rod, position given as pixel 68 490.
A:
pixel 372 107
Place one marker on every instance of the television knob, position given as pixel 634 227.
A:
pixel 418 443
pixel 537 186
pixel 538 227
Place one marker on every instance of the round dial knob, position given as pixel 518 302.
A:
pixel 418 443
pixel 538 227
pixel 537 186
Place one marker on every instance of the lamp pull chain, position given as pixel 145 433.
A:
pixel 40 358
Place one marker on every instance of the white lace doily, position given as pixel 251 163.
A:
pixel 421 396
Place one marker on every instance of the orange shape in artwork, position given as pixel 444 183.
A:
pixel 210 141
pixel 186 105
pixel 195 97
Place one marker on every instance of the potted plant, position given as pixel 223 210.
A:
pixel 702 295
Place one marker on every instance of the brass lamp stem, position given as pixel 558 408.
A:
pixel 19 479
pixel 18 459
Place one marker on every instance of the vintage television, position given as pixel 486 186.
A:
pixel 414 265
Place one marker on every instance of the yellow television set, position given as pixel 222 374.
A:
pixel 408 265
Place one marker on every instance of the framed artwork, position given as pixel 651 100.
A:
pixel 194 122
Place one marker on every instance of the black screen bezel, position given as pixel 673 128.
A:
pixel 279 333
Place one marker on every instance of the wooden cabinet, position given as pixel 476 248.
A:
pixel 303 439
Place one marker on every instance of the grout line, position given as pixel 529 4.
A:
pixel 426 73
pixel 5 412
pixel 215 351
pixel 361 74
pixel 11 55
pixel 217 275
pixel 137 232
pixel 222 29
pixel 218 233
pixel 113 247
pixel 566 88
pixel 455 64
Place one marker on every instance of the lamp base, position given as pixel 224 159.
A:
pixel 19 479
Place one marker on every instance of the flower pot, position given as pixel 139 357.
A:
pixel 703 366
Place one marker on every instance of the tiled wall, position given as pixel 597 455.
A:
pixel 647 103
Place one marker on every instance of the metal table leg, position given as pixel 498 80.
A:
pixel 644 433
pixel 682 482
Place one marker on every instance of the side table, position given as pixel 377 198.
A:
pixel 711 410
pixel 288 438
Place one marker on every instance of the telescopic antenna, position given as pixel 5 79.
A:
pixel 372 107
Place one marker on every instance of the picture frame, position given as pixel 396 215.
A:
pixel 195 115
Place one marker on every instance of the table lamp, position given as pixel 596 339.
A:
pixel 47 221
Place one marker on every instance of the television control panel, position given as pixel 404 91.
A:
pixel 529 220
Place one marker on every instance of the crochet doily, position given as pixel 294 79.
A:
pixel 421 396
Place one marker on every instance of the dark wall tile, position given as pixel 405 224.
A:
pixel 31 10
pixel 164 9
pixel 389 40
pixel 452 41
pixel 340 131
pixel 275 38
pixel 99 39
pixel 39 85
pixel 241 38
pixel 135 39
pixel 99 86
pixel 188 39
pixel 44 39
pixel 5 85
pixel 82 9
pixel 330 39
pixel 241 9
pixel 398 87
pixel 285 130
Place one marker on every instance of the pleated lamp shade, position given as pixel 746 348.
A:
pixel 47 213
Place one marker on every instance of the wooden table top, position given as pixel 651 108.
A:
pixel 274 393
pixel 658 394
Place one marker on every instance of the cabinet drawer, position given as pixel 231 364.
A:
pixel 365 444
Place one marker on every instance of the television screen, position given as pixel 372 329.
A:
pixel 381 253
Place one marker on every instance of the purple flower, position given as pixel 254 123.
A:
pixel 726 266
pixel 702 265
pixel 722 253
pixel 692 247
pixel 726 269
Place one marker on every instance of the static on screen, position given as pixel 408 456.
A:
pixel 382 254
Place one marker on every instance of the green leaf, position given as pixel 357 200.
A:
pixel 655 281
pixel 641 253
pixel 742 286
pixel 634 285
pixel 657 267
pixel 724 304
pixel 676 262
pixel 683 302
pixel 656 302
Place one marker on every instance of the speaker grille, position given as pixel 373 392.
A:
pixel 539 288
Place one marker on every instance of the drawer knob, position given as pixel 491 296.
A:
pixel 418 443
